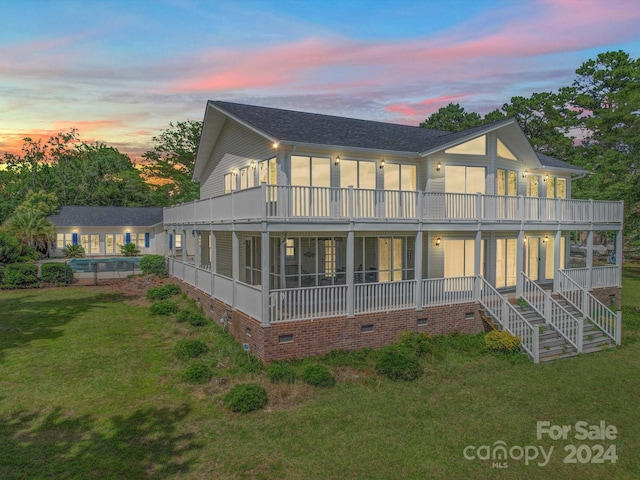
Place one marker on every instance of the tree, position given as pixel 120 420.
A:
pixel 452 118
pixel 31 228
pixel 171 163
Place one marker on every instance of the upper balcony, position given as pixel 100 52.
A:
pixel 291 203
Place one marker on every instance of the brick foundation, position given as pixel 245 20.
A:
pixel 606 294
pixel 313 337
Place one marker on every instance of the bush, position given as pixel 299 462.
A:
pixel 73 251
pixel 281 373
pixel 2 268
pixel 21 275
pixel 58 273
pixel 197 373
pixel 502 341
pixel 195 317
pixel 245 398
pixel 129 250
pixel 165 291
pixel 318 375
pixel 164 307
pixel 154 265
pixel 419 343
pixel 398 362
pixel 186 349
pixel 9 248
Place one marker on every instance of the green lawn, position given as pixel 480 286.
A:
pixel 90 389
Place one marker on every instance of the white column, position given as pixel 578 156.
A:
pixel 213 257
pixel 235 262
pixel 265 254
pixel 519 263
pixel 619 255
pixel 197 252
pixel 184 242
pixel 477 254
pixel 589 258
pixel 349 272
pixel 417 258
pixel 557 247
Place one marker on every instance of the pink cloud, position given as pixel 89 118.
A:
pixel 424 107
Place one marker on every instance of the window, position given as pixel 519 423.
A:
pixel 399 177
pixel 504 152
pixel 533 186
pixel 507 182
pixel 230 182
pixel 506 262
pixel 477 146
pixel 359 174
pixel 63 239
pixel 252 260
pixel 90 243
pixel 110 243
pixel 305 172
pixel 178 241
pixel 384 259
pixel 556 187
pixel 459 179
pixel 267 171
pixel 312 261
pixel 290 248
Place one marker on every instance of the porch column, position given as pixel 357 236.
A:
pixel 477 254
pixel 557 247
pixel 213 258
pixel 264 276
pixel 519 262
pixel 349 272
pixel 418 269
pixel 167 250
pixel 618 253
pixel 183 244
pixel 235 262
pixel 589 258
pixel 197 258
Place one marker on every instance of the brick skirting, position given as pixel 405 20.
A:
pixel 304 338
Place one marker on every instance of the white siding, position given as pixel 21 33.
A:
pixel 236 147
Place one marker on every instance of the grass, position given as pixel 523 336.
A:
pixel 90 389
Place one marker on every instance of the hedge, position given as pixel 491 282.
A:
pixel 58 273
pixel 21 275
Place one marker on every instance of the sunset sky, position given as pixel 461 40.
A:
pixel 120 71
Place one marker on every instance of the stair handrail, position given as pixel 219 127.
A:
pixel 561 319
pixel 509 318
pixel 593 309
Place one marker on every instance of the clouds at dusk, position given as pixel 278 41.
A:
pixel 121 73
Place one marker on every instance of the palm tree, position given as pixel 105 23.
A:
pixel 31 227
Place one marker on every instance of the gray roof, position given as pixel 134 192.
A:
pixel 81 216
pixel 319 129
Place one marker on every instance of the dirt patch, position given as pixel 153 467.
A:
pixel 132 289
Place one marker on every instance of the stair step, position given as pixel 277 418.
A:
pixel 557 357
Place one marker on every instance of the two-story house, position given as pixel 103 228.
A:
pixel 317 232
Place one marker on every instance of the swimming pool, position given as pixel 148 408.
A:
pixel 109 264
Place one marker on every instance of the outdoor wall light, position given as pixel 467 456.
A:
pixel 546 177
pixel 253 164
pixel 337 160
pixel 439 166
pixel 544 240
pixel 438 241
pixel 382 163
pixel 276 144
pixel 524 240
pixel 525 173
pixel 234 171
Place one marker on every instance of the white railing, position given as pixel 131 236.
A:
pixel 509 318
pixel 447 291
pixel 383 297
pixel 284 201
pixel 595 277
pixel 307 303
pixel 248 299
pixel 204 280
pixel 592 308
pixel 566 324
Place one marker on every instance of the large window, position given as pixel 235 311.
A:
pixel 533 186
pixel 359 174
pixel 230 182
pixel 90 243
pixel 461 179
pixel 477 146
pixel 267 172
pixel 399 177
pixel 459 257
pixel 306 172
pixel 313 261
pixel 504 152
pixel 384 259
pixel 506 249
pixel 507 182
pixel 252 260
pixel 556 187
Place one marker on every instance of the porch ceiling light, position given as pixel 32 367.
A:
pixel 439 166
pixel 525 173
pixel 337 160
pixel 382 163
pixel 438 241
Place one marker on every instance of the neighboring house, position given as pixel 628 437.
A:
pixel 102 230
pixel 317 232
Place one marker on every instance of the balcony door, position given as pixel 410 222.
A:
pixel 310 172
pixel 506 270
pixel 532 258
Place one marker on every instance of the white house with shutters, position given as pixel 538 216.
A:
pixel 308 223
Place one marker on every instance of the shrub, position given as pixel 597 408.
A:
pixel 59 273
pixel 9 248
pixel 164 307
pixel 21 275
pixel 129 250
pixel 419 343
pixel 197 373
pixel 193 316
pixel 186 349
pixel 318 375
pixel 73 251
pixel 154 265
pixel 2 268
pixel 245 398
pixel 165 291
pixel 398 362
pixel 281 373
pixel 502 341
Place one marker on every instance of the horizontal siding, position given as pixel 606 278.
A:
pixel 236 147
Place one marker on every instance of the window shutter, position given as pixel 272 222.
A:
pixel 127 237
pixel 146 240
pixel 74 238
